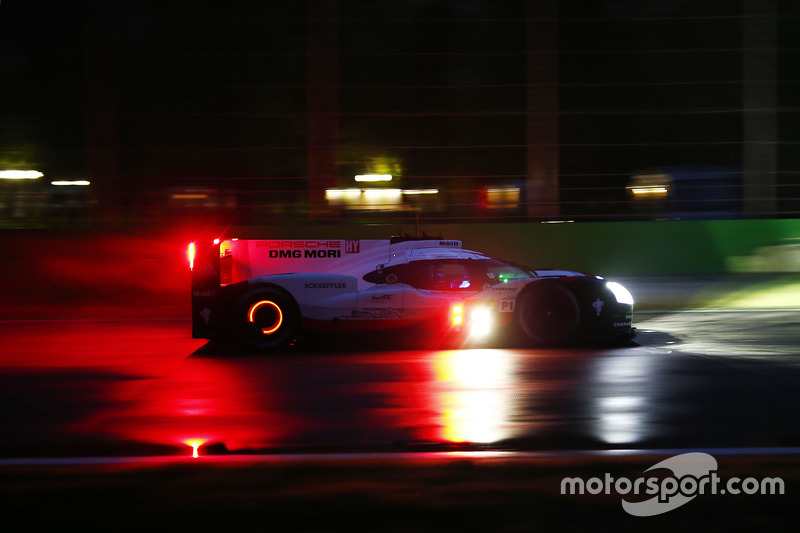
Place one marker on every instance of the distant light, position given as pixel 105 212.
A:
pixel 68 183
pixel 647 186
pixel 655 191
pixel 373 177
pixel 342 194
pixel 368 199
pixel 20 174
pixel 381 195
pixel 189 196
pixel 502 197
pixel 420 191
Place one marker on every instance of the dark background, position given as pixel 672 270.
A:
pixel 260 106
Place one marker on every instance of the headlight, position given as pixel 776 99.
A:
pixel 622 294
pixel 480 322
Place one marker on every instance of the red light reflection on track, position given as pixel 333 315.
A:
pixel 200 402
pixel 150 390
pixel 447 396
pixel 195 444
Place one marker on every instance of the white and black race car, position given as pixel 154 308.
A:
pixel 269 293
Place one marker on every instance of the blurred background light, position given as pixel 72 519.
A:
pixel 373 177
pixel 71 183
pixel 20 174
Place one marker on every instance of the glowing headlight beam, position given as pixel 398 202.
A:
pixel 480 322
pixel 622 294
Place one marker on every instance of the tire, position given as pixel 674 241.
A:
pixel 547 313
pixel 266 318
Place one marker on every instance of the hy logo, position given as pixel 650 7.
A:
pixel 352 247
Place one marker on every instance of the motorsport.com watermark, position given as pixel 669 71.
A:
pixel 693 474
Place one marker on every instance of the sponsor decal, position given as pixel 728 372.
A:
pixel 330 285
pixel 205 314
pixel 623 322
pixel 352 247
pixel 304 254
pixel 295 245
pixel 598 306
pixel 506 306
pixel 448 243
pixel 501 287
pixel 382 297
pixel 201 294
pixel 378 313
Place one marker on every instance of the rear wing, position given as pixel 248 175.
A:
pixel 205 264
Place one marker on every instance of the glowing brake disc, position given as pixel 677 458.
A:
pixel 275 326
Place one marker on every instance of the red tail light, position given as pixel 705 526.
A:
pixel 190 253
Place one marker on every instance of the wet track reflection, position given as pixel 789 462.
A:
pixel 152 387
pixel 312 400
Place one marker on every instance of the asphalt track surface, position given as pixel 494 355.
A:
pixel 142 387
pixel 100 418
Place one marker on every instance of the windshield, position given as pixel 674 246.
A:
pixel 500 272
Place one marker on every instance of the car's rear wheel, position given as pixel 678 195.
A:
pixel 547 313
pixel 266 318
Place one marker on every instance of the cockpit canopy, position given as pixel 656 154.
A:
pixel 449 274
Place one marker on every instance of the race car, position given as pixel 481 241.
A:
pixel 270 293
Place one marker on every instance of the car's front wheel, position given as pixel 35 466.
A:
pixel 266 317
pixel 547 313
